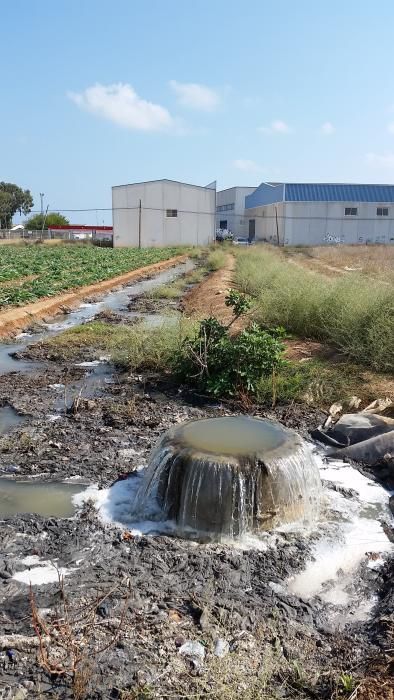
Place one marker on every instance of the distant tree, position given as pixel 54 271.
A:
pixel 13 199
pixel 55 219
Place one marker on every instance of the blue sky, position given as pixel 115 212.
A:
pixel 98 93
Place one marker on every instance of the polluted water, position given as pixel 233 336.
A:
pixel 9 419
pixel 219 478
pixel 43 498
pixel 231 475
pixel 115 301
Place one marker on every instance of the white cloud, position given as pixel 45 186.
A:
pixel 390 128
pixel 247 166
pixel 119 103
pixel 383 160
pixel 276 127
pixel 195 96
pixel 327 128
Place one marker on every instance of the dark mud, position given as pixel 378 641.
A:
pixel 132 601
pixel 162 591
pixel 148 305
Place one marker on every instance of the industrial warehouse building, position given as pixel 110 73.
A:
pixel 308 213
pixel 230 210
pixel 318 214
pixel 163 213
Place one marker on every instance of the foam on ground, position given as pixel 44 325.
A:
pixel 351 537
pixel 39 573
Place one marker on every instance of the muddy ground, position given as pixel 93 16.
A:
pixel 128 604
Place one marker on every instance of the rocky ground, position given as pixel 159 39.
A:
pixel 158 617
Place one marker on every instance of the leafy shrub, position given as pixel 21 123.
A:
pixel 222 365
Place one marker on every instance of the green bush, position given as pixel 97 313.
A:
pixel 222 365
pixel 225 365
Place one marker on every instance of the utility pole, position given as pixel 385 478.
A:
pixel 139 224
pixel 42 203
pixel 277 227
pixel 43 221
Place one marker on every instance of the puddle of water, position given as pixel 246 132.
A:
pixel 12 364
pixel 44 498
pixel 115 301
pixel 9 419
pixel 91 385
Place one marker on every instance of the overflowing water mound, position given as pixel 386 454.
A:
pixel 226 476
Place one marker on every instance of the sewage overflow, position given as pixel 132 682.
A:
pixel 227 476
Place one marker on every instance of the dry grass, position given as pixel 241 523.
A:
pixel 71 643
pixel 136 347
pixel 371 260
pixel 351 312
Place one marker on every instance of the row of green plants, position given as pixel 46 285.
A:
pixel 352 313
pixel 51 270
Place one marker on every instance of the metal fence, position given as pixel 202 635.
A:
pixel 45 235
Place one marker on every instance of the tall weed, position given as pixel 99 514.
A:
pixel 354 314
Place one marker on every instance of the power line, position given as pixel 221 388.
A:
pixel 246 215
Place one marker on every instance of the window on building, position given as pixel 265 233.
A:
pixel 171 213
pixel 225 207
pixel 223 224
pixel 350 211
pixel 382 211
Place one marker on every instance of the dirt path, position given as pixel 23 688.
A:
pixel 22 316
pixel 208 297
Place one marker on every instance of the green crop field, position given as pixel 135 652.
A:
pixel 28 273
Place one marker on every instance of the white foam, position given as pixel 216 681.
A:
pixel 350 536
pixel 114 506
pixel 41 574
pixel 89 363
pixel 345 545
pixel 345 475
pixel 31 560
pixel 338 559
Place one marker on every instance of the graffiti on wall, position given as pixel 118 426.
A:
pixel 333 238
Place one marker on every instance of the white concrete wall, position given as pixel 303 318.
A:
pixel 194 225
pixel 324 223
pixel 237 221
pixel 266 223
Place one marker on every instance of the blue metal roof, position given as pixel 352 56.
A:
pixel 329 192
pixel 318 192
pixel 265 194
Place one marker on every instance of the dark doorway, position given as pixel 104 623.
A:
pixel 252 230
pixel 223 224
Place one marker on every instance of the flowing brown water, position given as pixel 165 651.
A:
pixel 226 476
